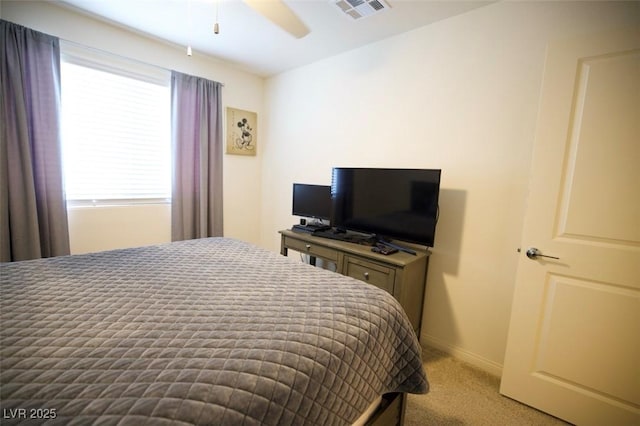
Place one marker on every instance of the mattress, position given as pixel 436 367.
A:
pixel 207 331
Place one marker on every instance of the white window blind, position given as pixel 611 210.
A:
pixel 115 131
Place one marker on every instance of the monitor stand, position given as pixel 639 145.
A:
pixel 311 227
pixel 395 246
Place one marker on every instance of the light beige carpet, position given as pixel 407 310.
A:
pixel 464 395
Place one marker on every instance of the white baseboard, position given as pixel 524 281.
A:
pixel 482 363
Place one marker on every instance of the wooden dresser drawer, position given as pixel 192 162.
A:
pixel 370 272
pixel 311 249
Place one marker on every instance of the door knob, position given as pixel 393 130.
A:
pixel 534 253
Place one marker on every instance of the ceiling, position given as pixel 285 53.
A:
pixel 254 43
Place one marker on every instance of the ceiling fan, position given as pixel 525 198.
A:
pixel 280 14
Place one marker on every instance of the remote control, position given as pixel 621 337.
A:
pixel 383 249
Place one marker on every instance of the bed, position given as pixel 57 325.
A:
pixel 210 331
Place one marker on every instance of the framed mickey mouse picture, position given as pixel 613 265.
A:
pixel 241 132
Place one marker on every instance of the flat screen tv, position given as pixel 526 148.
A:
pixel 392 204
pixel 312 201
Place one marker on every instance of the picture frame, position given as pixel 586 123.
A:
pixel 242 129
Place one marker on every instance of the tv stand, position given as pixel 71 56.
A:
pixel 401 274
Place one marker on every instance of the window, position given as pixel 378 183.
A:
pixel 116 129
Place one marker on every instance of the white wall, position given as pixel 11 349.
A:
pixel 102 228
pixel 109 227
pixel 460 95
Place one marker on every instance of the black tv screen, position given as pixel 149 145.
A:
pixel 312 201
pixel 399 204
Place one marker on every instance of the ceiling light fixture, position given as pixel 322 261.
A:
pixel 216 27
pixel 189 51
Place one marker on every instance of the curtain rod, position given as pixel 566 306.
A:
pixel 104 52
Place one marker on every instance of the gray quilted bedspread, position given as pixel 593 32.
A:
pixel 212 331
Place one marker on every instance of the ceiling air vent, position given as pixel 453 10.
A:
pixel 357 9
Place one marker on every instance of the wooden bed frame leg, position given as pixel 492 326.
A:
pixel 403 407
pixel 391 411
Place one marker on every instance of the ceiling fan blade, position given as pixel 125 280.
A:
pixel 280 14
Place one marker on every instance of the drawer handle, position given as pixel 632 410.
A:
pixel 366 276
pixel 308 246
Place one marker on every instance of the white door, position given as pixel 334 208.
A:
pixel 573 349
